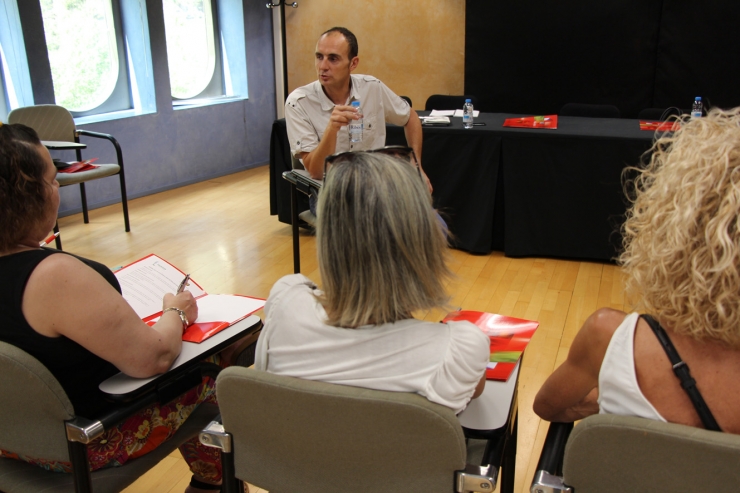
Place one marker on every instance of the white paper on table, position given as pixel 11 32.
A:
pixel 442 113
pixel 459 113
pixel 226 307
pixel 145 282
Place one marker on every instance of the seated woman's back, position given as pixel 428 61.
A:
pixel 714 366
pixel 381 254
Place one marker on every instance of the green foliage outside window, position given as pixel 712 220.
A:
pixel 81 42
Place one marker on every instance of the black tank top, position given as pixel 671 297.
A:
pixel 78 370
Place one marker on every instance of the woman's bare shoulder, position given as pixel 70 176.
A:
pixel 602 323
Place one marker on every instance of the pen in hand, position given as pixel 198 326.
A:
pixel 184 283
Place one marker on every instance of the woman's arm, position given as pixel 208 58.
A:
pixel 480 387
pixel 64 296
pixel 571 391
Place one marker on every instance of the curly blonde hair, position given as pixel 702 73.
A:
pixel 682 234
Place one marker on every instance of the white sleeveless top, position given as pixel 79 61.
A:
pixel 619 392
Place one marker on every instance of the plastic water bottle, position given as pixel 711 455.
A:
pixel 696 108
pixel 355 126
pixel 468 114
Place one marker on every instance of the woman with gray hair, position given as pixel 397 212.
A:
pixel 382 257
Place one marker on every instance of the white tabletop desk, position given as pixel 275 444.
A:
pixel 58 144
pixel 490 410
pixel 121 384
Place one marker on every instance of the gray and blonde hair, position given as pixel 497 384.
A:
pixel 382 252
pixel 682 235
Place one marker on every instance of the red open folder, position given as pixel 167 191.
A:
pixel 509 337
pixel 146 281
pixel 79 166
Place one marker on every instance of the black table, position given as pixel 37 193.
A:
pixel 550 193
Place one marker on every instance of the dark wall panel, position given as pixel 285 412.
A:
pixel 533 56
pixel 698 54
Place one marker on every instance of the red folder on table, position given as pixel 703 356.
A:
pixel 670 126
pixel 509 337
pixel 146 281
pixel 544 121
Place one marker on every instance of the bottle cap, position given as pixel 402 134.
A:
pixel 698 98
pixel 355 104
pixel 467 100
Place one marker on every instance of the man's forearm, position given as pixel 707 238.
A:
pixel 314 160
pixel 413 133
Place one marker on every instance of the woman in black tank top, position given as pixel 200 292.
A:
pixel 68 312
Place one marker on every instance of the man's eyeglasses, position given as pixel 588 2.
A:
pixel 400 152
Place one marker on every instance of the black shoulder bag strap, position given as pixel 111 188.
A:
pixel 681 370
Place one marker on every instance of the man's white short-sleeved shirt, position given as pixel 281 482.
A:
pixel 307 112
pixel 442 362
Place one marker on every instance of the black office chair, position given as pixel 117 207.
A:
pixel 448 102
pixel 659 114
pixel 407 99
pixel 590 110
pixel 606 453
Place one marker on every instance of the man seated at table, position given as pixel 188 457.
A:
pixel 316 113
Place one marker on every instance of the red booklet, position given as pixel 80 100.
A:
pixel 509 337
pixel 146 281
pixel 544 121
pixel 659 126
pixel 79 166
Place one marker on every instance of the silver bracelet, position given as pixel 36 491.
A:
pixel 181 313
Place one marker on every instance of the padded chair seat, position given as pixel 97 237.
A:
pixel 101 171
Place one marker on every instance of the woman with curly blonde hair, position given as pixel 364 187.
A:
pixel 681 262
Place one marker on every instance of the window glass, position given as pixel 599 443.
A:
pixel 191 52
pixel 81 41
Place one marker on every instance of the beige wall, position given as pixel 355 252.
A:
pixel 417 48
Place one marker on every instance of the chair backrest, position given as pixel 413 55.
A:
pixel 659 113
pixel 50 121
pixel 590 110
pixel 34 407
pixel 608 453
pixel 447 102
pixel 298 435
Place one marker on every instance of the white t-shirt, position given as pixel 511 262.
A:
pixel 443 362
pixel 307 112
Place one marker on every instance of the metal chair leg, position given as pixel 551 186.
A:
pixel 83 196
pixel 294 223
pixel 80 467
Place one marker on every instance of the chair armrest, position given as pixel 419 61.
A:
pixel 98 135
pixel 84 430
pixel 215 436
pixel 546 479
pixel 476 478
